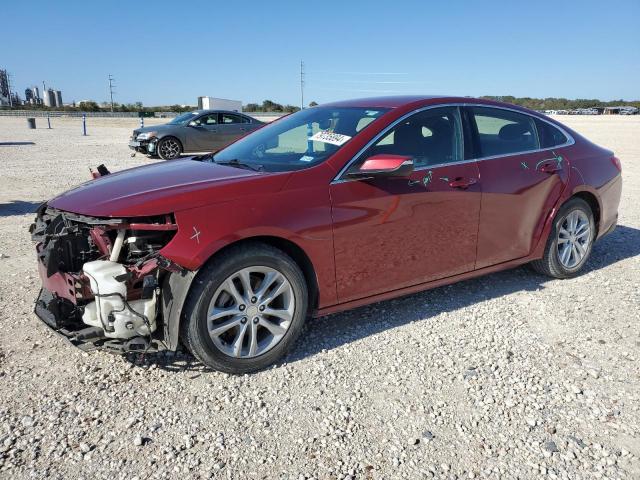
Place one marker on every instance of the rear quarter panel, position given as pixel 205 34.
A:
pixel 593 171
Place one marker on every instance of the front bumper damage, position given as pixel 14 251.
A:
pixel 102 279
pixel 147 146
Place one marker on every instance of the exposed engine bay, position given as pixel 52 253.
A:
pixel 101 277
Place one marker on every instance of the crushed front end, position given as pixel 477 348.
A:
pixel 101 278
pixel 143 142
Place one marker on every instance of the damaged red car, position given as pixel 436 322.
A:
pixel 324 210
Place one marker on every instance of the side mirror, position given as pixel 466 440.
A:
pixel 384 165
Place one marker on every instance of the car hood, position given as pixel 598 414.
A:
pixel 155 128
pixel 164 187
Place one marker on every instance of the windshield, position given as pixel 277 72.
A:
pixel 300 140
pixel 183 119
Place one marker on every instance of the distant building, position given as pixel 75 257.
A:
pixel 58 98
pixel 621 110
pixel 4 88
pixel 211 103
pixel 28 95
pixel 49 98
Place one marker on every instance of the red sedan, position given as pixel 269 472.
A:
pixel 324 210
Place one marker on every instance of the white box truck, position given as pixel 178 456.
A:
pixel 211 103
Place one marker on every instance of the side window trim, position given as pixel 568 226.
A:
pixel 339 178
pixel 470 133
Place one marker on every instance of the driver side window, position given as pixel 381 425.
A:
pixel 431 137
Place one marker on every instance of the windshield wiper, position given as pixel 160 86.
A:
pixel 237 163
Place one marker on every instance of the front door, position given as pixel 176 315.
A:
pixel 204 135
pixel 391 233
pixel 521 181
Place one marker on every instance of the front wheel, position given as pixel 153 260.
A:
pixel 168 148
pixel 245 309
pixel 570 241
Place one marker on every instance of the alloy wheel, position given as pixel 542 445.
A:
pixel 169 148
pixel 250 312
pixel 574 238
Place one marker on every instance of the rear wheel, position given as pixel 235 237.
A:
pixel 570 241
pixel 169 148
pixel 245 309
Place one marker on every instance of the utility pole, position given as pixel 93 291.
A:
pixel 111 85
pixel 301 84
pixel 9 88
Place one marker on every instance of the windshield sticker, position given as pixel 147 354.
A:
pixel 306 158
pixel 327 136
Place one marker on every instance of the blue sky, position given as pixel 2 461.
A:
pixel 167 52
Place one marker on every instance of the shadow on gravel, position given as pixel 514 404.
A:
pixel 338 329
pixel 18 207
pixel 11 144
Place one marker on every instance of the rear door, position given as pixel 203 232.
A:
pixel 521 181
pixel 232 127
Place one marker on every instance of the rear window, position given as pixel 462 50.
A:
pixel 549 135
pixel 503 132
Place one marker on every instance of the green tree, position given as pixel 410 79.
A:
pixel 89 106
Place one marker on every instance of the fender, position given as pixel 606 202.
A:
pixel 204 231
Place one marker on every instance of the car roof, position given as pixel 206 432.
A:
pixel 415 100
pixel 383 102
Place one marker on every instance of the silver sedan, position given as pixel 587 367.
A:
pixel 198 131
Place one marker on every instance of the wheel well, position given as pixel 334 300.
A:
pixel 591 199
pixel 175 138
pixel 295 252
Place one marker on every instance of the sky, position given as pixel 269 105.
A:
pixel 169 52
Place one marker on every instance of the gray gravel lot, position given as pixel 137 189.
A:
pixel 509 376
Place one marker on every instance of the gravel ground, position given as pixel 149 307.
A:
pixel 509 376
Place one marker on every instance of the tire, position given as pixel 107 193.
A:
pixel 554 263
pixel 214 342
pixel 169 148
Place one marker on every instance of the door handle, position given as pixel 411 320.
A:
pixel 462 183
pixel 550 167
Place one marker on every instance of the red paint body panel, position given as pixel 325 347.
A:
pixel 517 197
pixel 163 188
pixel 300 213
pixel 388 232
pixel 367 240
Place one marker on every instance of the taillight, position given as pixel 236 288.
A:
pixel 616 162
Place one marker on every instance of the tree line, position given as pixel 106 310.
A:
pixel 91 106
pixel 553 103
